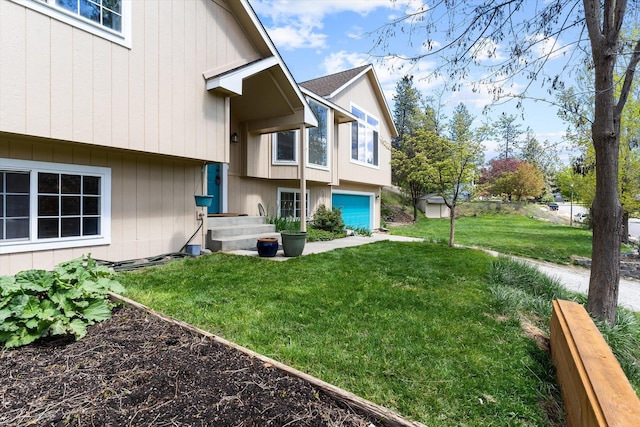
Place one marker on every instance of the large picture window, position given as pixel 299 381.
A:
pixel 289 203
pixel 285 147
pixel 364 137
pixel 318 153
pixel 49 206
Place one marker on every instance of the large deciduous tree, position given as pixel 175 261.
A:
pixel 532 30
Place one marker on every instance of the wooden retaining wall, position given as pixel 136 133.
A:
pixel 595 390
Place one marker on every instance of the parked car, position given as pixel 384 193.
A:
pixel 580 217
pixel 553 206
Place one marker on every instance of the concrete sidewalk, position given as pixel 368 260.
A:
pixel 318 247
pixel 577 279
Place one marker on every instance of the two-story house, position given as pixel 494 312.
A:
pixel 114 114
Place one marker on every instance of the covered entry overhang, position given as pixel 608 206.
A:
pixel 263 96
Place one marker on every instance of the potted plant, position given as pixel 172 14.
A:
pixel 267 246
pixel 293 242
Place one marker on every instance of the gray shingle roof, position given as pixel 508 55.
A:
pixel 325 86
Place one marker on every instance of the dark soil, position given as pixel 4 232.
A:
pixel 396 215
pixel 137 370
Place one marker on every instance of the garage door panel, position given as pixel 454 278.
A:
pixel 356 209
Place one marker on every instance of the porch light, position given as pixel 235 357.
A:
pixel 234 137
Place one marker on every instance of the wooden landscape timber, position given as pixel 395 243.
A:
pixel 595 390
pixel 387 417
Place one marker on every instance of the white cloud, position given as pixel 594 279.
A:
pixel 486 50
pixel 543 46
pixel 294 37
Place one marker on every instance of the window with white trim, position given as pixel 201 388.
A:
pixel 289 203
pixel 109 19
pixel 364 137
pixel 285 147
pixel 318 140
pixel 51 206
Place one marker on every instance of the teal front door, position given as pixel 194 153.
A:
pixel 213 187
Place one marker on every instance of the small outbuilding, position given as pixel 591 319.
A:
pixel 433 206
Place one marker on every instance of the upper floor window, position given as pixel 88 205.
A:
pixel 51 206
pixel 109 19
pixel 318 153
pixel 285 147
pixel 364 137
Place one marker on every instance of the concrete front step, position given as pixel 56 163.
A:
pixel 222 233
pixel 232 243
pixel 232 221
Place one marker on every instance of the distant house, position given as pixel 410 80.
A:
pixel 111 121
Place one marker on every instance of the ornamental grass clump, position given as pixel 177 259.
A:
pixel 38 303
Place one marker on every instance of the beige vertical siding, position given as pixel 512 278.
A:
pixel 266 192
pixel 362 93
pixel 58 81
pixel 152 205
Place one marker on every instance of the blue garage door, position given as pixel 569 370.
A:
pixel 356 209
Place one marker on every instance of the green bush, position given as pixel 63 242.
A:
pixel 284 223
pixel 328 220
pixel 315 235
pixel 38 303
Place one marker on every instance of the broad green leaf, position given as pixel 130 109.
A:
pixel 90 287
pixel 8 285
pixel 97 311
pixel 4 336
pixel 35 280
pixel 9 326
pixel 58 328
pixel 31 309
pixel 4 301
pixel 64 303
pixel 5 313
pixel 111 285
pixel 21 337
pixel 18 303
pixel 78 328
pixel 48 310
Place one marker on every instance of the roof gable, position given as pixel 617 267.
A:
pixel 329 86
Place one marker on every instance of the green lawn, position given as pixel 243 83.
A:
pixel 509 234
pixel 411 326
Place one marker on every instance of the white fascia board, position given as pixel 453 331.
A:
pixel 309 117
pixel 329 104
pixel 347 84
pixel 231 82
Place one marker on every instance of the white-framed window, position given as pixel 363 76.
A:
pixel 52 206
pixel 285 147
pixel 289 203
pixel 318 137
pixel 109 19
pixel 364 137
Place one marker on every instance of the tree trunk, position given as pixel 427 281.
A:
pixel 624 237
pixel 452 225
pixel 606 210
pixel 415 210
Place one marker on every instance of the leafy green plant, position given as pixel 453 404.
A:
pixel 284 223
pixel 315 235
pixel 362 231
pixel 328 220
pixel 38 303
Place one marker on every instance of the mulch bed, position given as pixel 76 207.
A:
pixel 137 370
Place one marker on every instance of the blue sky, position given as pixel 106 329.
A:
pixel 320 37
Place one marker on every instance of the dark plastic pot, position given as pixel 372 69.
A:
pixel 293 242
pixel 267 246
